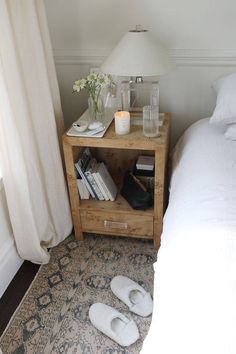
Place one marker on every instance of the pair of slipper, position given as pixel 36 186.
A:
pixel 113 323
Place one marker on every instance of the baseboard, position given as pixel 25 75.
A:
pixel 10 262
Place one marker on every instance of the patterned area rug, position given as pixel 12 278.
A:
pixel 53 316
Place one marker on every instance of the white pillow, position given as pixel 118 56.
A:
pixel 230 132
pixel 225 110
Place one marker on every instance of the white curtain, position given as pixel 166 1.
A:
pixel 30 126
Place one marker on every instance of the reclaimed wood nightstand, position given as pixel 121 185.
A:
pixel 119 153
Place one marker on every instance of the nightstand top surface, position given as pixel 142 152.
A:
pixel 133 140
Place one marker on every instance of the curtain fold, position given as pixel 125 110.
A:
pixel 30 123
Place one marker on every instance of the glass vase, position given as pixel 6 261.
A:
pixel 96 108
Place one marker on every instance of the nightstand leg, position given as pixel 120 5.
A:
pixel 73 191
pixel 157 235
pixel 78 233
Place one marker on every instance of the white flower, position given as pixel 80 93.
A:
pixel 93 83
pixel 82 83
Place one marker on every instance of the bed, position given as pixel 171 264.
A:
pixel 195 273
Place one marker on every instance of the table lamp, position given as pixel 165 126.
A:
pixel 138 55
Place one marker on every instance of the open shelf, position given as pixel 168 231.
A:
pixel 119 205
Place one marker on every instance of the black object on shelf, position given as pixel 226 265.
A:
pixel 135 192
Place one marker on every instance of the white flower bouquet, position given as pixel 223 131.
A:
pixel 94 83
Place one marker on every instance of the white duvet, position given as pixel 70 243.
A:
pixel 195 274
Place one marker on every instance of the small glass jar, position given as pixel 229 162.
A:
pixel 151 121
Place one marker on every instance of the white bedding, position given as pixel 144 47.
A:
pixel 195 274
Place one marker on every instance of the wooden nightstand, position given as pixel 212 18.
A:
pixel 119 153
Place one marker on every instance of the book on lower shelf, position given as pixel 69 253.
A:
pixel 95 177
pixel 81 166
pixel 99 182
pixel 106 181
pixel 89 175
pixel 145 163
pixel 83 191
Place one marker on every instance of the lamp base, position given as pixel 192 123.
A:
pixel 136 94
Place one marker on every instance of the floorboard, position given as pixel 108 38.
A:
pixel 15 292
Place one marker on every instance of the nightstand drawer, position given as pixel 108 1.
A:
pixel 117 223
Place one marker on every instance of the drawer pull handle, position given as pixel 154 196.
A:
pixel 115 224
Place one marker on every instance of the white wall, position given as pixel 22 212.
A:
pixel 9 259
pixel 199 34
pixel 185 92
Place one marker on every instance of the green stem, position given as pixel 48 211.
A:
pixel 95 95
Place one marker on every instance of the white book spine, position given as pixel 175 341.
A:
pixel 100 185
pixel 104 186
pixel 80 189
pixel 84 179
pixel 94 185
pixel 144 167
pixel 108 182
pixel 83 191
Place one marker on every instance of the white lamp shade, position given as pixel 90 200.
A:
pixel 137 54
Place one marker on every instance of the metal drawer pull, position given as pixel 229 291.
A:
pixel 115 224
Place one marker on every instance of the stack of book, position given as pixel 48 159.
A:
pixel 144 170
pixel 94 178
pixel 145 163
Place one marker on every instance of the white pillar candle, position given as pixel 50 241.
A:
pixel 122 123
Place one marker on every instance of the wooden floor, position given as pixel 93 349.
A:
pixel 15 292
